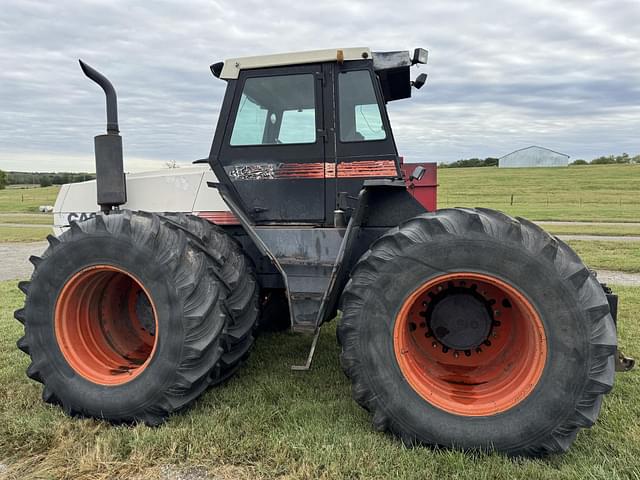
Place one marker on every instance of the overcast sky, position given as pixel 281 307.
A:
pixel 502 74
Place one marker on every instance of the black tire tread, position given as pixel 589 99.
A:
pixel 195 276
pixel 485 222
pixel 237 271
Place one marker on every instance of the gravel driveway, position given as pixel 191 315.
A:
pixel 14 259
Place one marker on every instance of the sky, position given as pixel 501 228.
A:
pixel 503 75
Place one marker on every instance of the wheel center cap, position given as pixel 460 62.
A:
pixel 460 321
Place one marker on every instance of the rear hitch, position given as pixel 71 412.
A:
pixel 110 178
pixel 623 363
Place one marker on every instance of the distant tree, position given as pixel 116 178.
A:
pixel 580 162
pixel 624 158
pixel 471 162
pixel 3 179
pixel 45 181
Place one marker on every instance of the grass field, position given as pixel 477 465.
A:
pixel 620 256
pixel 26 200
pixel 603 193
pixel 27 218
pixel 271 422
pixel 24 234
pixel 617 230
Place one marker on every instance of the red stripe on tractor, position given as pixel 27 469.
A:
pixel 367 168
pixel 300 170
pixel 219 217
pixel 357 169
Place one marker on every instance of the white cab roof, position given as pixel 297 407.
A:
pixel 232 66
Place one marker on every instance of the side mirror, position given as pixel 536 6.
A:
pixel 419 81
pixel 420 55
pixel 417 174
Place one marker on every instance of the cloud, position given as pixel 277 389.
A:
pixel 502 74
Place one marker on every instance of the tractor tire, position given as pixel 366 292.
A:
pixel 237 272
pixel 469 329
pixel 124 319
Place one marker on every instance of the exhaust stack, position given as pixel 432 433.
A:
pixel 110 177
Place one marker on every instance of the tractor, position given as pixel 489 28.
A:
pixel 461 327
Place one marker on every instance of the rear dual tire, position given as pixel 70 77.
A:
pixel 129 318
pixel 529 392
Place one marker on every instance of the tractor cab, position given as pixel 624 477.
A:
pixel 299 133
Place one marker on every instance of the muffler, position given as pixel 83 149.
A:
pixel 110 178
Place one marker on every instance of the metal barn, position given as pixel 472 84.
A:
pixel 534 157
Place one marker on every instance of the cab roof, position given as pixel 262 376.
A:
pixel 232 66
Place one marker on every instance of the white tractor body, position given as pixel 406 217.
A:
pixel 182 189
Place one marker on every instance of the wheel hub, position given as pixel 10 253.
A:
pixel 460 321
pixel 470 343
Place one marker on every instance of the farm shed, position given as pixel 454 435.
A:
pixel 534 157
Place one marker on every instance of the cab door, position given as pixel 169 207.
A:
pixel 273 149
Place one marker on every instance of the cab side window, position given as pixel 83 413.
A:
pixel 276 110
pixel 360 118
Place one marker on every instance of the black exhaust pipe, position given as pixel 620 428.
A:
pixel 110 177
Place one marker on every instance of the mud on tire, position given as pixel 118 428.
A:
pixel 577 335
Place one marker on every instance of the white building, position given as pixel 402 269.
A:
pixel 533 157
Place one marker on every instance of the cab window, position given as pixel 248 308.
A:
pixel 360 118
pixel 276 110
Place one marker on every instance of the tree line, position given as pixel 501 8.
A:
pixel 623 159
pixel 45 179
pixel 471 162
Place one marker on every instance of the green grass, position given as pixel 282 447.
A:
pixel 604 193
pixel 27 218
pixel 272 422
pixel 25 200
pixel 622 256
pixel 24 234
pixel 599 229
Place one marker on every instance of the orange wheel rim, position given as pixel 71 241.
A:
pixel 454 359
pixel 106 325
